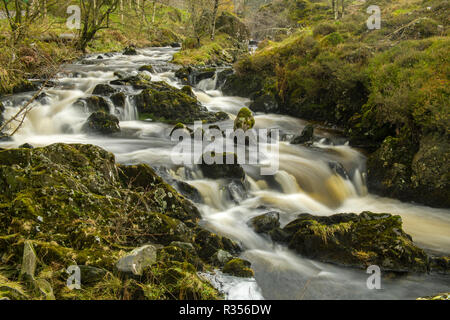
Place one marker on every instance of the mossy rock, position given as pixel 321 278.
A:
pixel 164 103
pixel 101 123
pixel 357 241
pixel 239 268
pixel 148 68
pixel 141 81
pixel 103 90
pixel 266 222
pixel 244 120
pixel 93 104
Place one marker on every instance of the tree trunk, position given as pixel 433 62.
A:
pixel 214 18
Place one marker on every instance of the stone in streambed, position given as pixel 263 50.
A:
pixel 147 68
pixel 266 222
pixel 357 241
pixel 130 51
pixel 101 123
pixel 244 120
pixel 93 104
pixel 119 99
pixel 103 90
pixel 306 136
pixel 239 268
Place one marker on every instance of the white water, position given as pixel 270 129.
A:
pixel 304 183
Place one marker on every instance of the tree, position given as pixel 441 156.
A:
pixel 338 4
pixel 94 17
pixel 200 18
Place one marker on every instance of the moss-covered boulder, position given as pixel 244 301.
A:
pixel 101 123
pixel 244 120
pixel 93 104
pixel 148 68
pixel 192 76
pixel 239 268
pixel 119 99
pixel 141 81
pixel 229 168
pixel 130 51
pixel 357 241
pixel 66 205
pixel 266 103
pixel 266 222
pixel 164 103
pixel 103 90
pixel 306 136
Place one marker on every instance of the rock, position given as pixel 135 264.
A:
pixel 307 135
pixel 164 103
pixel 221 257
pixel 175 45
pixel 244 120
pixel 29 261
pixel 137 260
pixel 119 99
pixel 184 245
pixel 189 191
pixel 239 268
pixel 140 81
pixel 147 68
pixel 412 172
pixel 192 76
pixel 357 241
pixel 44 289
pixel 440 265
pixel 222 76
pixel 266 222
pixel 26 146
pixel 101 123
pixel 91 275
pixel 130 51
pixel 224 170
pixel 93 104
pixel 188 90
pixel 247 85
pixel 103 90
pixel 209 243
pixel 2 109
pixel 265 103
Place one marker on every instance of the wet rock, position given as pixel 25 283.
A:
pixel 239 268
pixel 130 51
pixel 189 191
pixel 184 245
pixel 26 146
pixel 247 85
pixel 148 68
pixel 306 136
pixel 440 265
pixel 93 104
pixel 232 170
pixel 188 90
pixel 357 241
pixel 101 123
pixel 222 76
pixel 244 120
pixel 221 257
pixel 192 76
pixel 138 82
pixel 175 45
pixel 103 90
pixel 119 99
pixel 2 109
pixel 209 243
pixel 137 260
pixel 266 222
pixel 265 103
pixel 164 103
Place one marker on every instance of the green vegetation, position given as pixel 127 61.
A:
pixel 376 84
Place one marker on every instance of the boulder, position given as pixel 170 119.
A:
pixel 93 104
pixel 119 99
pixel 148 68
pixel 244 120
pixel 137 260
pixel 357 241
pixel 192 76
pixel 306 136
pixel 130 51
pixel 265 103
pixel 29 261
pixel 138 82
pixel 101 123
pixel 24 86
pixel 224 170
pixel 266 222
pixel 103 90
pixel 221 257
pixel 164 103
pixel 239 268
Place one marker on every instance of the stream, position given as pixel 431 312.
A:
pixel 303 183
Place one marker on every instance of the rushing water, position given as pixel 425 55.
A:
pixel 305 182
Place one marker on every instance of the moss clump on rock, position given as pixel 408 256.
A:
pixel 164 103
pixel 101 123
pixel 357 241
pixel 244 120
pixel 238 268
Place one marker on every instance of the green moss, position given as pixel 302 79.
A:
pixel 239 268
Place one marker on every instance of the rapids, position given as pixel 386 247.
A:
pixel 304 182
